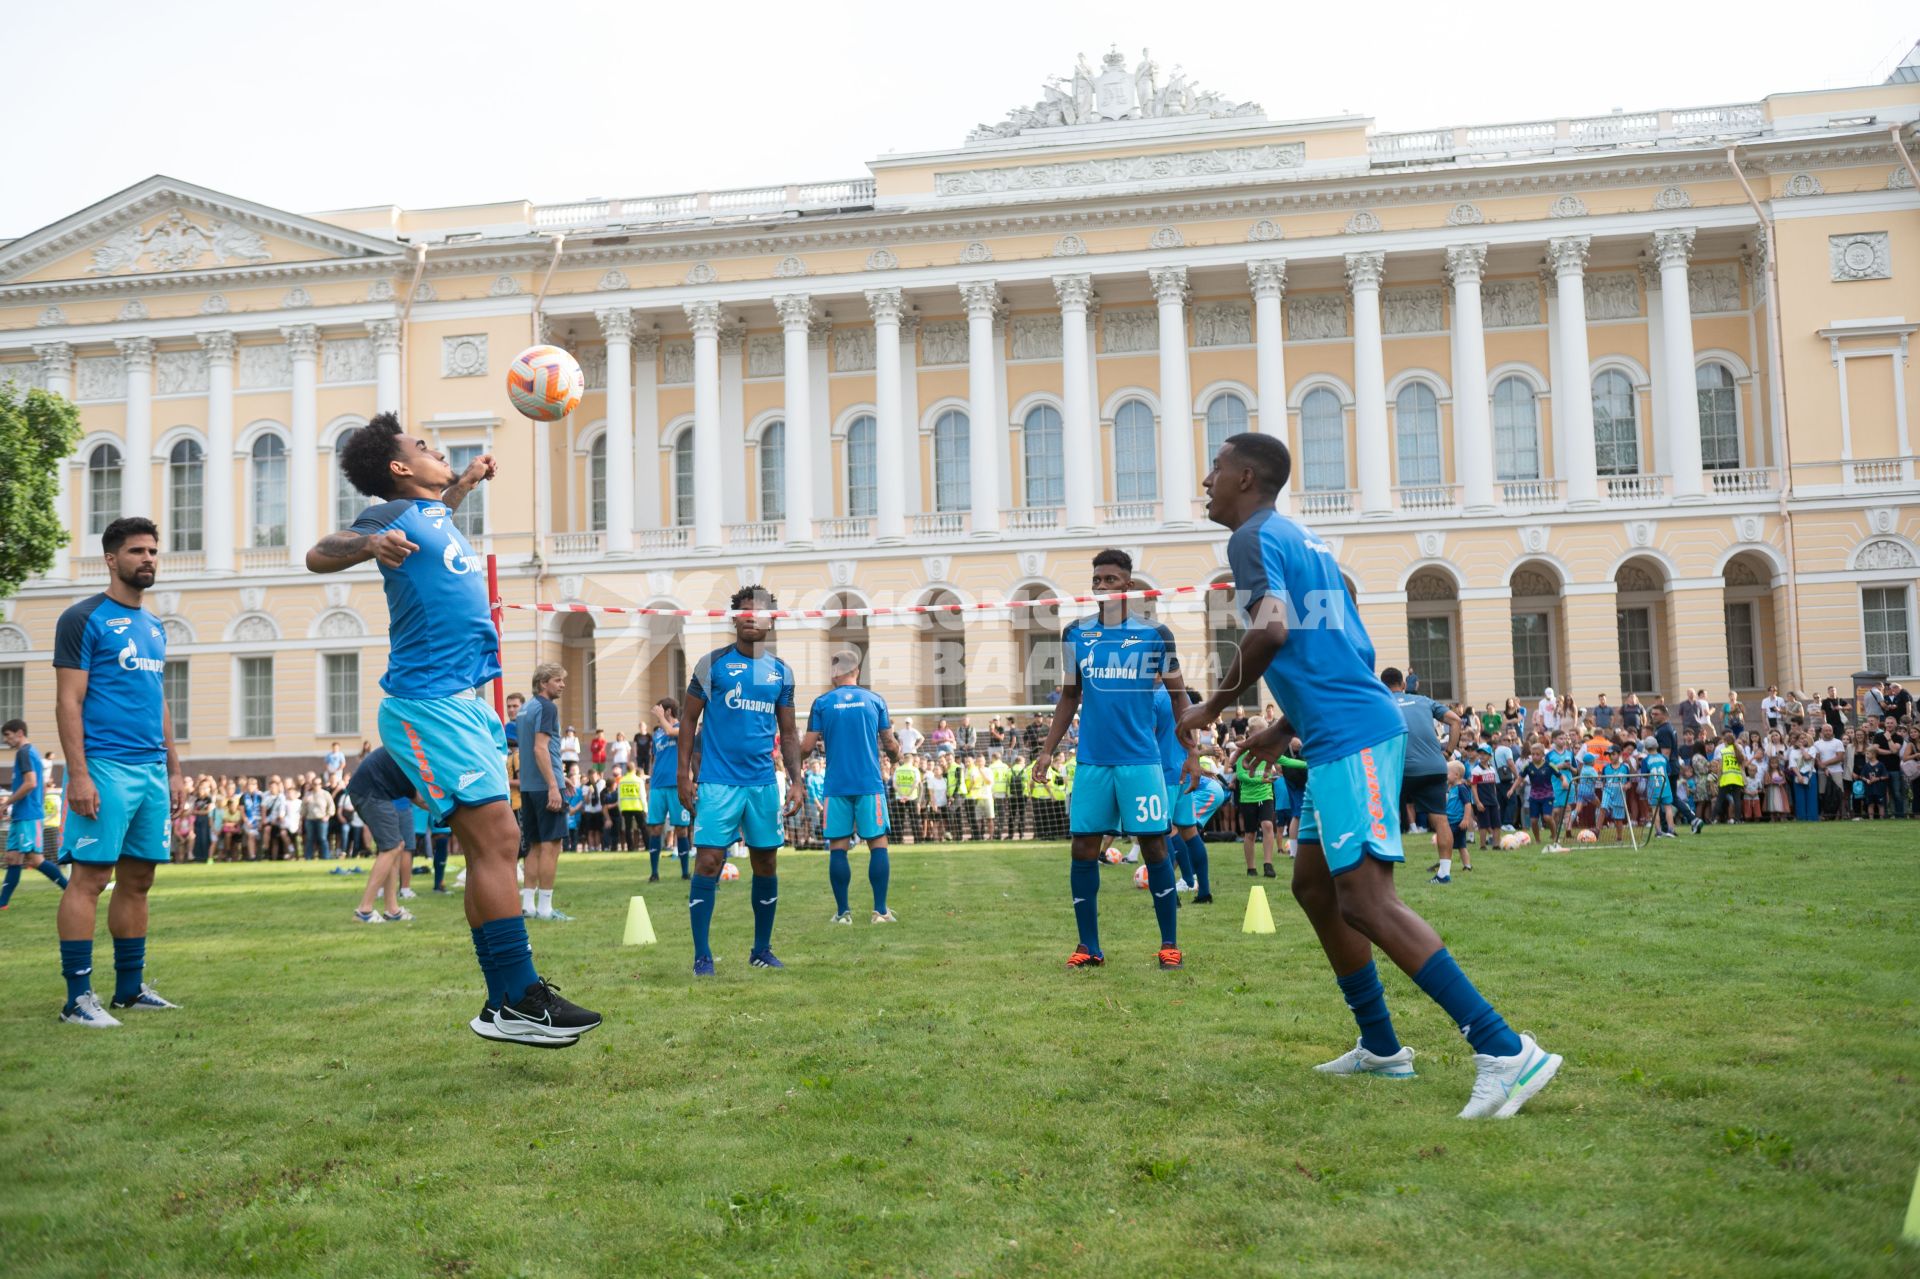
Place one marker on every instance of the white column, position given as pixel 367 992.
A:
pixel 889 433
pixel 1176 399
pixel 707 479
pixel 1002 414
pixel 386 364
pixel 617 324
pixel 303 520
pixel 1657 370
pixel 819 375
pixel 733 423
pixel 217 484
pixel 646 431
pixel 1372 455
pixel 1572 395
pixel 1268 279
pixel 914 500
pixel 983 471
pixel 136 484
pixel 1472 427
pixel 56 361
pixel 796 313
pixel 1671 249
pixel 1078 435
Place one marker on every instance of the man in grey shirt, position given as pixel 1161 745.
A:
pixel 1424 787
pixel 543 804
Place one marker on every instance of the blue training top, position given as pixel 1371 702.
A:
pixel 124 653
pixel 666 757
pixel 32 806
pixel 849 720
pixel 442 635
pixel 1118 666
pixel 1324 677
pixel 1420 714
pixel 539 715
pixel 1173 756
pixel 743 696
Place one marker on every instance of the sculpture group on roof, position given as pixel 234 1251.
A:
pixel 1114 93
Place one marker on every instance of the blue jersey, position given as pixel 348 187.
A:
pixel 539 715
pixel 124 652
pixel 441 631
pixel 817 787
pixel 849 720
pixel 666 756
pixel 1117 667
pixel 1420 714
pixel 1616 774
pixel 743 696
pixel 1324 677
pixel 1458 798
pixel 1173 756
pixel 1562 764
pixel 30 807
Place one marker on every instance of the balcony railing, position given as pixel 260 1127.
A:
pixel 1749 479
pixel 1426 497
pixel 1878 472
pixel 1129 514
pixel 675 538
pixel 857 528
pixel 1533 137
pixel 1631 490
pixel 1320 502
pixel 938 525
pixel 264 557
pixel 760 533
pixel 1031 519
pixel 736 202
pixel 570 545
pixel 1525 493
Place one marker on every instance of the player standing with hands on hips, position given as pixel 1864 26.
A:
pixel 853 724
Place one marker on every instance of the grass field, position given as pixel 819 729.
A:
pixel 942 1098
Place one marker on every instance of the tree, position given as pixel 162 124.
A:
pixel 38 432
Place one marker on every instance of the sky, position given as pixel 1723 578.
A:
pixel 316 107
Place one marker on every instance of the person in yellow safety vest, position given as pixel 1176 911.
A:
pixel 1000 781
pixel 959 802
pixel 1020 792
pixel 980 791
pixel 632 792
pixel 906 798
pixel 1733 777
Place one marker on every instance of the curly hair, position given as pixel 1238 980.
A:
pixel 365 455
pixel 744 597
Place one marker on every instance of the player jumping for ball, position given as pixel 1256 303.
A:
pixel 1112 663
pixel 1290 587
pixel 433 720
pixel 852 723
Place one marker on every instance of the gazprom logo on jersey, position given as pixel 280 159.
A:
pixel 738 701
pixel 130 660
pixel 457 563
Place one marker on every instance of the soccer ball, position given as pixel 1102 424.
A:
pixel 545 383
pixel 1114 856
pixel 1588 837
pixel 1510 840
pixel 729 871
pixel 1525 837
pixel 1140 877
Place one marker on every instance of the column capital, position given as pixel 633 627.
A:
pixel 55 356
pixel 303 340
pixel 1169 283
pixel 1267 277
pixel 982 298
pixel 704 317
pixel 1567 254
pixel 794 309
pixel 885 304
pixel 219 346
pixel 818 330
pixel 646 343
pixel 138 352
pixel 1074 292
pixel 385 335
pixel 733 335
pixel 1466 263
pixel 1672 247
pixel 909 325
pixel 1364 270
pixel 616 323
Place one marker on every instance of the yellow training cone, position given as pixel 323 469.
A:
pixel 639 927
pixel 1912 1229
pixel 1259 916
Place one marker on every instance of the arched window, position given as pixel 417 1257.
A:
pixel 269 476
pixel 1719 417
pixel 1136 464
pixel 348 501
pixel 186 502
pixel 1616 424
pixel 1416 417
pixel 683 478
pixel 597 484
pixel 1226 415
pixel 1516 431
pixel 1323 441
pixel 103 488
pixel 1043 460
pixel 863 469
pixel 773 471
pixel 952 456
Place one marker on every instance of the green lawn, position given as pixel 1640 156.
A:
pixel 942 1098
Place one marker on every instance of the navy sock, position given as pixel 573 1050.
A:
pixel 511 955
pixel 879 870
pixel 1448 987
pixel 1085 880
pixel 1166 902
pixel 440 866
pixel 1368 1002
pixel 481 953
pixel 51 871
pixel 653 854
pixel 1177 850
pixel 129 963
pixel 685 850
pixel 76 965
pixel 12 882
pixel 1197 858
pixel 766 899
pixel 839 874
pixel 700 908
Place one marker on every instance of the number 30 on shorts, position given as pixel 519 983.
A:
pixel 1149 808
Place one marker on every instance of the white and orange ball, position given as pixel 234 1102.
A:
pixel 1587 837
pixel 545 383
pixel 1113 857
pixel 1140 877
pixel 729 871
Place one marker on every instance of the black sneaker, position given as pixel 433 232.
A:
pixel 483 1026
pixel 1252 873
pixel 542 1013
pixel 1697 824
pixel 1267 870
pixel 1203 899
pixel 653 879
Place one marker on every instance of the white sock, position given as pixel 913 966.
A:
pixel 1446 868
pixel 544 900
pixel 526 899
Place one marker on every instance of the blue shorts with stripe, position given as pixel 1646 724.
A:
pixel 452 749
pixel 663 803
pixel 1118 799
pixel 134 801
pixel 24 836
pixel 856 817
pixel 1194 807
pixel 1352 805
pixel 750 814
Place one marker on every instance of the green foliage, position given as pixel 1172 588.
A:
pixel 38 431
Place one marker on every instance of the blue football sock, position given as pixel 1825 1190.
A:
pixel 879 870
pixel 685 850
pixel 129 963
pixel 1177 850
pixel 839 874
pixel 1085 880
pixel 1166 902
pixel 1197 858
pixel 1448 987
pixel 486 966
pixel 76 965
pixel 512 956
pixel 700 908
pixel 439 865
pixel 766 899
pixel 12 882
pixel 653 854
pixel 1368 1002
pixel 52 871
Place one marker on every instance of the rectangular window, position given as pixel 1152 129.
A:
pixel 471 517
pixel 1635 632
pixel 1884 617
pixel 1430 655
pixel 13 693
pixel 1532 654
pixel 256 697
pixel 342 692
pixel 1743 653
pixel 173 684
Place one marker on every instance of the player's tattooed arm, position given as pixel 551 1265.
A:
pixel 890 744
pixel 480 469
pixel 343 550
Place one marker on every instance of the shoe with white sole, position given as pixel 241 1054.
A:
pixel 369 917
pixel 401 916
pixel 885 917
pixel 1358 1061
pixel 483 1026
pixel 86 1011
pixel 149 999
pixel 844 917
pixel 1504 1084
pixel 407 894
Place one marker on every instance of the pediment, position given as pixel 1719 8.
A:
pixel 165 227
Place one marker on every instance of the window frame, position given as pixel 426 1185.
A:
pixel 952 492
pixel 1226 429
pixel 181 714
pixel 1736 424
pixel 1440 687
pixel 254 491
pixel 1549 638
pixel 1512 449
pixel 1905 614
pixel 1312 422
pixel 1426 432
pixel 178 529
pixel 1045 466
pixel 12 705
pixel 96 478
pixel 863 456
pixel 243 727
pixel 597 484
pixel 1651 648
pixel 1136 467
pixel 681 489
pixel 327 702
pixel 770 470
pixel 1615 435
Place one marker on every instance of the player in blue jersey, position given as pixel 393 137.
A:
pixel 433 720
pixel 667 819
pixel 739 700
pixel 852 723
pixel 1112 663
pixel 1193 804
pixel 123 777
pixel 1304 635
pixel 26 810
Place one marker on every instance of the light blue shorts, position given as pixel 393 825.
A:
pixel 1194 807
pixel 452 749
pixel 1352 806
pixel 24 836
pixel 857 816
pixel 1118 799
pixel 663 803
pixel 133 815
pixel 724 813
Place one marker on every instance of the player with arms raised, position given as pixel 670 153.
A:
pixel 852 722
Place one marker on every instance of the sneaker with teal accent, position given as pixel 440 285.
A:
pixel 1504 1084
pixel 844 917
pixel 1358 1061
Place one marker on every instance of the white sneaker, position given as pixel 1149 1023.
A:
pixel 1182 886
pixel 1504 1084
pixel 88 1012
pixel 407 894
pixel 1358 1061
pixel 369 917
pixel 149 999
pixel 844 917
pixel 460 880
pixel 379 892
pixel 401 916
pixel 885 917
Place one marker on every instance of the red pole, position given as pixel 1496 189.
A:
pixel 493 606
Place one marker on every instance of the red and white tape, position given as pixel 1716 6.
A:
pixel 905 610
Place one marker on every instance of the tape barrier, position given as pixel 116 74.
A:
pixel 905 610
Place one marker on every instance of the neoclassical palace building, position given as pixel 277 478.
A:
pixel 1612 404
